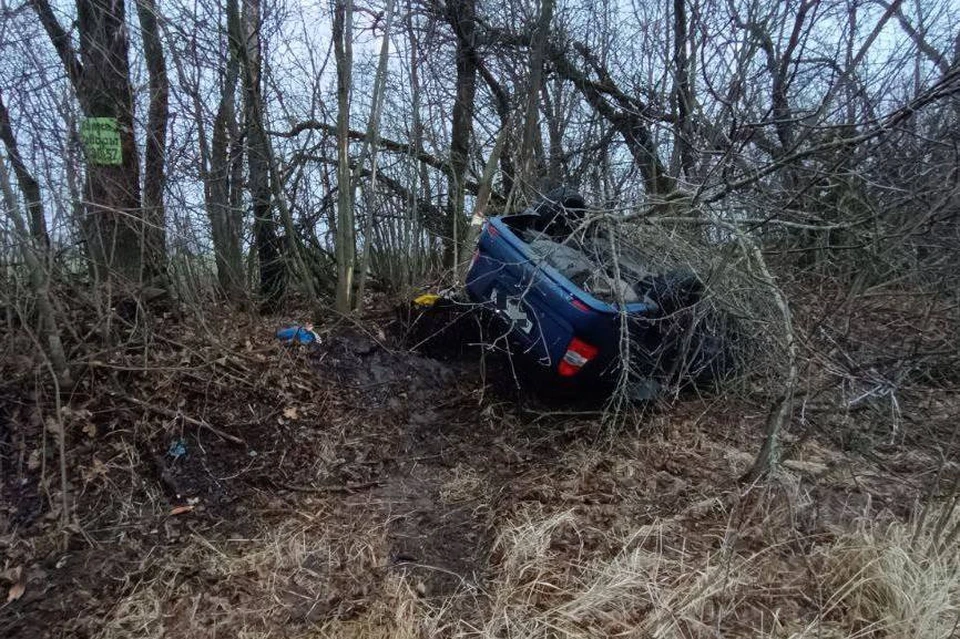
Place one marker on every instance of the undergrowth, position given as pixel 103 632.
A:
pixel 879 578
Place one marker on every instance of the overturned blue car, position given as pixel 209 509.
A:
pixel 583 317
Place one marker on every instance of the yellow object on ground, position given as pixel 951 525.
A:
pixel 427 299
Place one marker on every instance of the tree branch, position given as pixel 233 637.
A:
pixel 61 42
pixel 384 143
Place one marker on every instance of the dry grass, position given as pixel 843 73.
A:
pixel 730 564
pixel 893 580
pixel 878 582
pixel 314 581
pixel 465 483
pixel 297 574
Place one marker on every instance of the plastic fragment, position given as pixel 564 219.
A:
pixel 427 299
pixel 300 334
pixel 177 449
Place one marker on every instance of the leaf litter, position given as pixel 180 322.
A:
pixel 373 484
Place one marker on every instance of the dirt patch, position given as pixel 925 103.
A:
pixel 419 416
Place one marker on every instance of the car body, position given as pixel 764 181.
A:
pixel 546 318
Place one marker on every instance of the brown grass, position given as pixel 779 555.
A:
pixel 876 580
pixel 293 575
pixel 889 580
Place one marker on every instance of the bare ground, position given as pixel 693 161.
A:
pixel 221 484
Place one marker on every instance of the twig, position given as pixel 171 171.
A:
pixel 160 410
pixel 332 488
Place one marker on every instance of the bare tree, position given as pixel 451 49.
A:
pixel 273 270
pixel 346 232
pixel 115 227
pixel 461 14
pixel 50 338
pixel 371 144
pixel 531 123
pixel 223 178
pixel 155 161
pixel 28 184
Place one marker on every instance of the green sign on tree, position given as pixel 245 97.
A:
pixel 101 141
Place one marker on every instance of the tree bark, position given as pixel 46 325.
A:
pixel 346 247
pixel 29 187
pixel 683 157
pixel 154 170
pixel 373 141
pixel 531 123
pixel 625 115
pixel 226 152
pixel 272 268
pixel 501 101
pixel 461 15
pixel 113 221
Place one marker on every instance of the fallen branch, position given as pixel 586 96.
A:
pixel 174 414
pixel 330 488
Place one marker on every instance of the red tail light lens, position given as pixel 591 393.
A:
pixel 580 306
pixel 577 355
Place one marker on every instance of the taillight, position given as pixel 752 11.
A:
pixel 577 355
pixel 580 306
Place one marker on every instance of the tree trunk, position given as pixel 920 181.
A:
pixel 346 233
pixel 225 215
pixel 154 170
pixel 683 153
pixel 420 189
pixel 462 17
pixel 483 199
pixel 272 269
pixel 628 119
pixel 416 144
pixel 531 124
pixel 373 142
pixel 112 191
pixel 501 102
pixel 29 187
pixel 100 76
pixel 768 459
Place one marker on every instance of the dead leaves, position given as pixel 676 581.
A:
pixel 18 587
pixel 94 471
pixel 294 413
pixel 16 591
pixel 71 418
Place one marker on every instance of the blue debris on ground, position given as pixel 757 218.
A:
pixel 300 334
pixel 178 448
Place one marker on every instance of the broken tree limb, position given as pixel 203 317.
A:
pixel 329 488
pixel 483 198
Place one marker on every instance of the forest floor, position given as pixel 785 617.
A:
pixel 225 485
